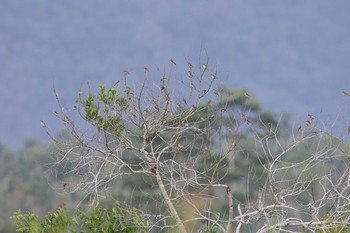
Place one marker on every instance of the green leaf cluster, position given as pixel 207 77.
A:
pixel 90 220
pixel 104 110
pixel 337 229
pixel 56 222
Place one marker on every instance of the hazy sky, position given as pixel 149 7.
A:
pixel 293 55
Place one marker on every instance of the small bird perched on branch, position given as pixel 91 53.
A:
pixel 345 93
pixel 43 125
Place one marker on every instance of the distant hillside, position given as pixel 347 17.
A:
pixel 293 55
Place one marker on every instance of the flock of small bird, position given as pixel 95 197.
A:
pixel 312 117
pixel 205 67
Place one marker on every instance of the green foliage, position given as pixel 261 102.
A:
pixel 56 222
pixel 210 229
pixel 91 220
pixel 230 97
pixel 104 110
pixel 119 219
pixel 6 161
pixel 338 229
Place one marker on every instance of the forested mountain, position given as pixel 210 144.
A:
pixel 294 55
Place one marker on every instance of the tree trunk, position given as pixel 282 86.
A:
pixel 170 205
pixel 230 227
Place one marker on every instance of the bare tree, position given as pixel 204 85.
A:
pixel 307 186
pixel 181 142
